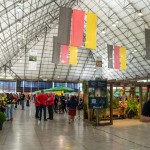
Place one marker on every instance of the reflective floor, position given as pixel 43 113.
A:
pixel 27 133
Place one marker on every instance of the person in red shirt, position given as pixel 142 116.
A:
pixel 42 98
pixel 50 103
pixel 37 106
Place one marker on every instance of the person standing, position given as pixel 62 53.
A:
pixel 3 103
pixel 72 105
pixel 63 103
pixel 16 99
pixel 56 103
pixel 37 106
pixel 28 100
pixel 42 98
pixel 22 97
pixel 50 104
pixel 145 116
pixel 10 107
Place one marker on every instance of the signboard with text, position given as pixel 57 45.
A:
pixel 97 97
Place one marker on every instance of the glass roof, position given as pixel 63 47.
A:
pixel 31 24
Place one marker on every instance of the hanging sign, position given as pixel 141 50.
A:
pixel 32 60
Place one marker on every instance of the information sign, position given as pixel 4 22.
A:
pixel 97 94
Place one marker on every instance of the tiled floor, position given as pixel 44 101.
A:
pixel 27 133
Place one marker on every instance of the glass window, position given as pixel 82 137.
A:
pixel 45 85
pixel 56 84
pixel 8 86
pixel 72 85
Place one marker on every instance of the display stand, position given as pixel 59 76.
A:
pixel 97 97
pixel 97 117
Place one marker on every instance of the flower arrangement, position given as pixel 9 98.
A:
pixel 122 106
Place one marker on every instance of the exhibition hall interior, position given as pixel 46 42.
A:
pixel 74 74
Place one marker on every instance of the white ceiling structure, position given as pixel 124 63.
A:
pixel 31 24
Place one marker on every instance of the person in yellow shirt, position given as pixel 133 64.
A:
pixel 3 103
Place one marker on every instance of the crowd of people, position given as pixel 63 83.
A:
pixel 57 104
pixel 43 103
pixel 9 101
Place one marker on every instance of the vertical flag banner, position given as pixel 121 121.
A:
pixel 56 51
pixel 147 41
pixel 110 56
pixel 64 56
pixel 64 25
pixel 116 57
pixel 98 73
pixel 122 58
pixel 91 31
pixel 32 60
pixel 73 55
pixel 77 28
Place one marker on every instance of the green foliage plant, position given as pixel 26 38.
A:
pixel 115 103
pixel 2 117
pixel 132 106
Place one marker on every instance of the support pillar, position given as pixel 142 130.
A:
pixel 140 98
pixel 111 103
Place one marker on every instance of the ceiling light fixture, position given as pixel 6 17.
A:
pixel 19 35
pixel 117 22
pixel 45 79
pixel 135 50
pixel 113 25
pixel 19 9
pixel 19 22
pixel 19 3
pixel 132 52
pixel 103 32
pixel 140 13
pixel 58 77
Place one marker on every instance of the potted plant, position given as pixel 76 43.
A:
pixel 132 108
pixel 2 119
pixel 115 103
pixel 115 107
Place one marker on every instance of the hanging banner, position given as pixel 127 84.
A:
pixel 56 51
pixel 147 41
pixel 116 57
pixel 91 31
pixel 64 25
pixel 98 73
pixel 77 28
pixel 110 56
pixel 73 55
pixel 64 59
pixel 32 60
pixel 122 58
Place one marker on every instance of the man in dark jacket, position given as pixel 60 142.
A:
pixel 145 116
pixel 22 97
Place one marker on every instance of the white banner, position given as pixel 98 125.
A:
pixel 32 60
